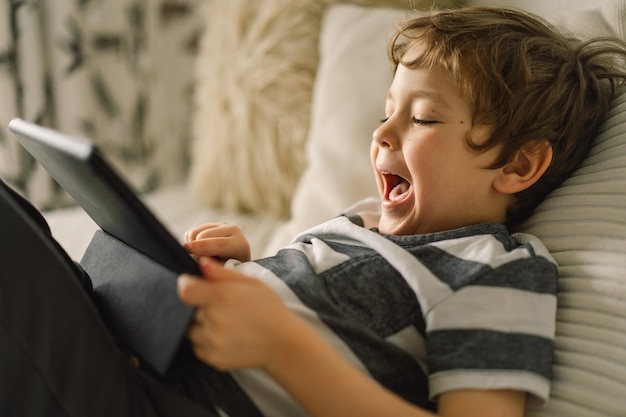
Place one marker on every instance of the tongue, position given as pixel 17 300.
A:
pixel 397 191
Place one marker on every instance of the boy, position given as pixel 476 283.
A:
pixel 426 299
pixel 464 149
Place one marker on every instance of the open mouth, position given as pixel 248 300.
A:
pixel 396 187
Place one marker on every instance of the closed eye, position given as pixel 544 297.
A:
pixel 424 122
pixel 415 121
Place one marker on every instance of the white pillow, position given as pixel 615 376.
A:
pixel 583 17
pixel 353 76
pixel 348 104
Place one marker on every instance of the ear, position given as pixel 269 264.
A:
pixel 525 169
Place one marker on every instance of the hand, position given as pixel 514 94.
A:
pixel 220 241
pixel 239 323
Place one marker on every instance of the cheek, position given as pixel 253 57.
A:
pixel 425 158
pixel 437 169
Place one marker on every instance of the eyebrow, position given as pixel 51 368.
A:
pixel 419 93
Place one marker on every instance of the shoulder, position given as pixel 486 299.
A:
pixel 533 244
pixel 488 256
pixel 492 247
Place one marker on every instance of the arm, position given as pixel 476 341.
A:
pixel 220 241
pixel 236 328
pixel 309 362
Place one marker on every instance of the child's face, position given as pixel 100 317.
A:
pixel 428 178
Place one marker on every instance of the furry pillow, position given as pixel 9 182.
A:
pixel 255 74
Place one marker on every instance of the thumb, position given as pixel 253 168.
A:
pixel 195 290
pixel 213 270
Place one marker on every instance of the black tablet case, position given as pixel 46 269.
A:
pixel 135 288
pixel 138 300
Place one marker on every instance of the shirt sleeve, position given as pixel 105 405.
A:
pixel 497 332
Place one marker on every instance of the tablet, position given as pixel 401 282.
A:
pixel 77 165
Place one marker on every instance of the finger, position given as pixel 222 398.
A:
pixel 199 328
pixel 199 317
pixel 197 336
pixel 193 291
pixel 200 343
pixel 219 230
pixel 212 270
pixel 202 351
pixel 192 233
pixel 217 246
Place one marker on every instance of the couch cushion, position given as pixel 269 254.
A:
pixel 584 18
pixel 583 225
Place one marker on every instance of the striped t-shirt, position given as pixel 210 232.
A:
pixel 471 308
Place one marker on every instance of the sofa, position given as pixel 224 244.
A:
pixel 287 93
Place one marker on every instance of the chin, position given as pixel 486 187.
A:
pixel 395 229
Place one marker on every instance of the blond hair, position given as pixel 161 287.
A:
pixel 526 80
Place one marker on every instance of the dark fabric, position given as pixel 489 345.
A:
pixel 210 387
pixel 57 358
pixel 137 299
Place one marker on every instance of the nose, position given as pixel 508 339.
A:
pixel 385 135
